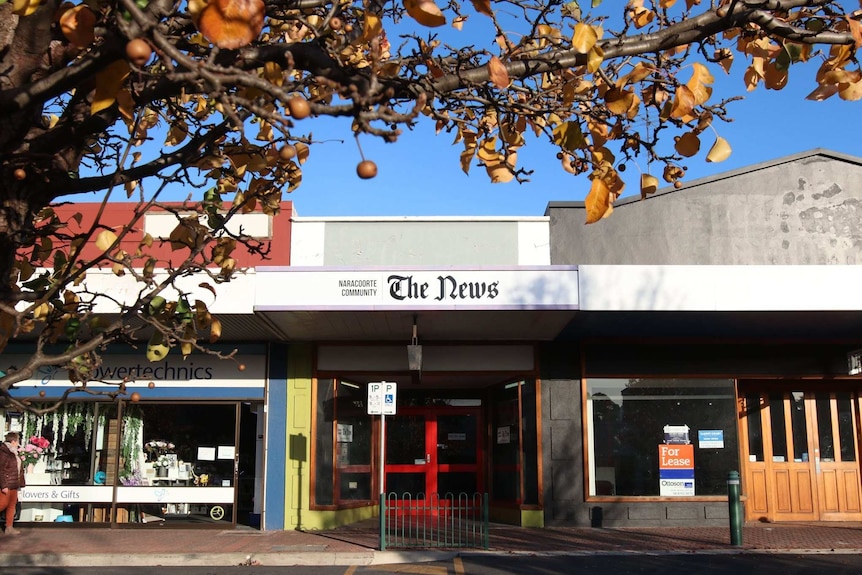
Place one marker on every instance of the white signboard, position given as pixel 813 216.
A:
pixel 65 494
pixel 382 398
pixel 551 287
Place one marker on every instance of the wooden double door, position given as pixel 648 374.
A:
pixel 800 451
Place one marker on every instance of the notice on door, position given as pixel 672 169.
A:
pixel 676 470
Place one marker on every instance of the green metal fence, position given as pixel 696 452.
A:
pixel 433 521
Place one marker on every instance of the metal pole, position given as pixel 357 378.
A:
pixel 382 509
pixel 734 507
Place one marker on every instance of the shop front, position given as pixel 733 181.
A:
pixel 187 451
pixel 456 435
pixel 466 420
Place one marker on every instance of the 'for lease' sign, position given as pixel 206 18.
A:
pixel 676 470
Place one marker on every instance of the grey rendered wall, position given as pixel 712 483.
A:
pixel 805 209
pixel 426 243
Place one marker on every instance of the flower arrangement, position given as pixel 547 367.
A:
pixel 133 479
pixel 35 448
pixel 162 461
pixel 158 447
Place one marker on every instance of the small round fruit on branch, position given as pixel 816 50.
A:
pixel 366 169
pixel 138 52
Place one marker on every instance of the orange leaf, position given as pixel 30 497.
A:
pixel 700 83
pixel 775 77
pixel 649 185
pixel 687 145
pixel 426 12
pixel 371 28
pixel 852 91
pixel 595 59
pixel 108 84
pixel 230 24
pixel 584 38
pixel 497 73
pixel 598 201
pixel 482 6
pixel 78 25
pixel 683 102
pixel 719 152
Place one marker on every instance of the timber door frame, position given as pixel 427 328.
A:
pixel 796 484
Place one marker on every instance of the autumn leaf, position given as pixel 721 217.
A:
pixel 598 200
pixel 584 38
pixel 569 136
pixel 594 59
pixel 700 83
pixel 719 152
pixel 497 73
pixel 108 84
pixel 649 185
pixel 683 102
pixel 372 27
pixel 482 6
pixel 687 145
pixel 469 149
pixel 78 25
pixel 851 91
pixel 105 240
pixel 426 12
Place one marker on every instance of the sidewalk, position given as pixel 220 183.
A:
pixel 357 545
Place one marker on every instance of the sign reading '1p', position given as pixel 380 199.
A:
pixel 382 398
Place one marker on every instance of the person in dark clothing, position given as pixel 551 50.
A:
pixel 11 478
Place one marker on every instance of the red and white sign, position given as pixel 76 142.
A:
pixel 676 470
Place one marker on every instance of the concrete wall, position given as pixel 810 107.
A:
pixel 803 209
pixel 477 242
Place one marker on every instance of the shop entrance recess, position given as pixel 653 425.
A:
pixel 433 479
pixel 434 450
pixel 800 452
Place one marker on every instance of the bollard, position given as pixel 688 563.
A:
pixel 734 507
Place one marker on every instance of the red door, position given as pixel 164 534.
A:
pixel 434 450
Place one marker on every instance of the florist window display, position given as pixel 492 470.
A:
pixel 32 452
pixel 11 478
pixel 161 454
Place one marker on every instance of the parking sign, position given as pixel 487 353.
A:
pixel 382 398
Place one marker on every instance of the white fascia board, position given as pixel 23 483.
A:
pixel 720 288
pixel 233 297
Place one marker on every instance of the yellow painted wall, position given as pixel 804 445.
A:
pixel 299 442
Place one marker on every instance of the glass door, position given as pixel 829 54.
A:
pixel 433 451
pixel 801 462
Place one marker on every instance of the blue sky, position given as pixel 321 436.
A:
pixel 421 173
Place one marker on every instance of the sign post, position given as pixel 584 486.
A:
pixel 382 402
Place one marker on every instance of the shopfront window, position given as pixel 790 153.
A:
pixel 177 463
pixel 515 443
pixel 169 463
pixel 343 444
pixel 628 420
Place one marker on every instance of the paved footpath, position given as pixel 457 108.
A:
pixel 67 546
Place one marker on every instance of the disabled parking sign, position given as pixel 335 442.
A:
pixel 382 398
